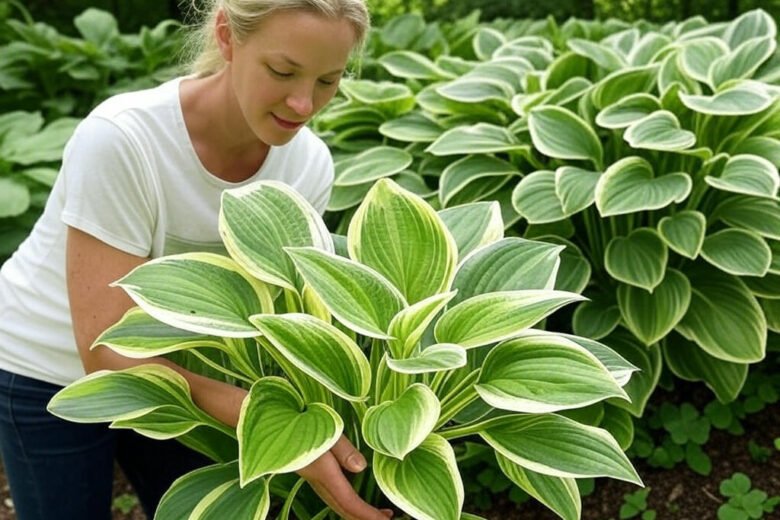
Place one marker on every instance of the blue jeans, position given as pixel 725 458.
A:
pixel 64 470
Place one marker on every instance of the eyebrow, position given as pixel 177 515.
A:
pixel 298 65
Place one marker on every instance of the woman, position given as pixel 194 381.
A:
pixel 141 178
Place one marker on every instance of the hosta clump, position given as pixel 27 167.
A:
pixel 422 318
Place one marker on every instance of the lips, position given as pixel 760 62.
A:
pixel 287 124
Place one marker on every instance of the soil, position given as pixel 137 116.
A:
pixel 677 494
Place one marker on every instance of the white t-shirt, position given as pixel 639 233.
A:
pixel 130 177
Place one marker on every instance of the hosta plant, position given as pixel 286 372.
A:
pixel 413 331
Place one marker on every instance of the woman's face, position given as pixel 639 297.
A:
pixel 286 70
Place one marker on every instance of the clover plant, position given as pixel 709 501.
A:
pixel 421 334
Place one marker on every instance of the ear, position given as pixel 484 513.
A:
pixel 223 35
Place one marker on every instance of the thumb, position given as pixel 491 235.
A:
pixel 348 456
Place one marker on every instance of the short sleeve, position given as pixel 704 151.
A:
pixel 109 193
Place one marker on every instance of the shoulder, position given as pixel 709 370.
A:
pixel 124 105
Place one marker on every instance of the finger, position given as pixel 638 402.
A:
pixel 387 512
pixel 328 480
pixel 348 456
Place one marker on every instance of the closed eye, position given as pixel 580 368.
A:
pixel 278 73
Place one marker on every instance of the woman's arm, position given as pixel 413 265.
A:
pixel 91 265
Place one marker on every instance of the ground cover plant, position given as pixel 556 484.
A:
pixel 417 337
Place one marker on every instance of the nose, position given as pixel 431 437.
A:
pixel 301 101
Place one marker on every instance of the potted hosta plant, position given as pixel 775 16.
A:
pixel 419 333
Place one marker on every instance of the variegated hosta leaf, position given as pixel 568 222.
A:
pixel 651 316
pixel 411 65
pixel 575 188
pixel 510 70
pixel 399 235
pixel 408 326
pixel 543 443
pixel 684 232
pixel 434 358
pixel 320 350
pixel 648 49
pixel 748 175
pixel 373 164
pixel 751 213
pixel 739 100
pixel 543 374
pixel 749 25
pixel 601 55
pixel 473 225
pixel 643 382
pixel 15 198
pixel 638 259
pixel 574 270
pixel 171 289
pixel 688 361
pixel 698 55
pixel 511 264
pixel 464 171
pixel 138 335
pixel 476 90
pixel 743 61
pixel 254 235
pixel 767 287
pixel 492 317
pixel 629 186
pixel 279 433
pixel 395 428
pixel 570 91
pixel 596 318
pixel 394 99
pixel 724 318
pixel 476 139
pixel 414 127
pixel 659 131
pixel 766 147
pixel 125 394
pixel 619 424
pixel 623 82
pixel 355 294
pixel 536 200
pixel 737 252
pixel 562 134
pixel 486 41
pixel 426 484
pixel 567 65
pixel 671 78
pixel 213 493
pixel 559 494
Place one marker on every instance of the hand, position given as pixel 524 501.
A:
pixel 326 477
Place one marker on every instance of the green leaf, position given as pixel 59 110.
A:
pixel 473 225
pixel 536 199
pixel 138 335
pixel 751 24
pixel 542 443
pixel 643 382
pixel 486 41
pixel 97 26
pixel 748 175
pixel 740 100
pixel 414 127
pixel 558 494
pixel 698 55
pixel 496 316
pixel 464 171
pixel 475 139
pixel 279 433
pixel 743 61
pixel 620 425
pixel 574 271
pixel 171 289
pixel 752 213
pixel 627 110
pixel 393 99
pixel 575 188
pixel 629 186
pixel 766 147
pixel 638 259
pixel 411 65
pixel 737 252
pixel 408 326
pixel 561 134
pixel 373 164
pixel 690 362
pixel 426 484
pixel 659 131
pixel 44 146
pixel 320 350
pixel 543 374
pixel 600 54
pixel 434 358
pixel 509 264
pixel 14 198
pixel 596 319
pixel 622 83
pixel 355 294
pixel 724 318
pixel 395 428
pixel 683 232
pixel 255 236
pixel 399 235
pixel 651 316
pixel 469 89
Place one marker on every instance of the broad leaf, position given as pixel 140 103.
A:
pixel 739 100
pixel 659 131
pixel 638 259
pixel 575 188
pixel 536 199
pixel 559 494
pixel 373 164
pixel 473 225
pixel 737 252
pixel 408 326
pixel 643 382
pixel 629 186
pixel 434 358
pixel 683 232
pixel 747 175
pixel 561 134
pixel 475 139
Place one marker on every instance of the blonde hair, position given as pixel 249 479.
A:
pixel 243 16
